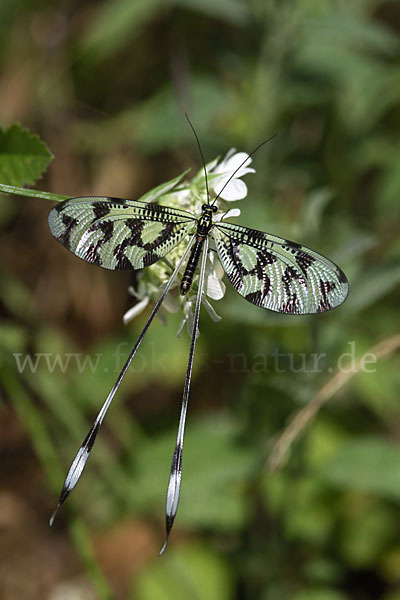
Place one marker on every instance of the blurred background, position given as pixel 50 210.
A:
pixel 291 482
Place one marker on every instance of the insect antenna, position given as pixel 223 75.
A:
pixel 241 165
pixel 78 464
pixel 201 154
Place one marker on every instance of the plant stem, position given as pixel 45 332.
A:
pixel 10 189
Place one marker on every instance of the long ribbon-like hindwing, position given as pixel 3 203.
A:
pixel 83 453
pixel 174 484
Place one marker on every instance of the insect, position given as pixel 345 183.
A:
pixel 268 271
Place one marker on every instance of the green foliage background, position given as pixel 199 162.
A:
pixel 105 85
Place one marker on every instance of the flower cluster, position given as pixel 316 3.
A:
pixel 191 196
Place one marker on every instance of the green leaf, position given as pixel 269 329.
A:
pixel 164 188
pixel 191 572
pixel 369 528
pixel 216 469
pixel 118 23
pixel 350 52
pixel 13 338
pixel 319 594
pixel 23 156
pixel 156 124
pixel 311 217
pixel 377 386
pixel 368 464
pixel 371 286
pixel 393 596
pixel 229 11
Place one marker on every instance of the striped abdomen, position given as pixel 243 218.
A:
pixel 187 278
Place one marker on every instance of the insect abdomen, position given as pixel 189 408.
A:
pixel 187 278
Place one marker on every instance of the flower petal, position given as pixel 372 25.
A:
pixel 135 310
pixel 215 288
pixel 235 190
pixel 240 159
pixel 210 309
pixel 232 162
pixel 171 303
pixel 232 212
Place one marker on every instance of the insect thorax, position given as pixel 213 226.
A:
pixel 204 225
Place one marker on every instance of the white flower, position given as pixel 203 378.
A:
pixel 236 189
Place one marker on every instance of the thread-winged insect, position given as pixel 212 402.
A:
pixel 268 271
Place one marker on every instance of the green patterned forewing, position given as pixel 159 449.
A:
pixel 118 234
pixel 278 274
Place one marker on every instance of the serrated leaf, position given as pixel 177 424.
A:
pixel 23 156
